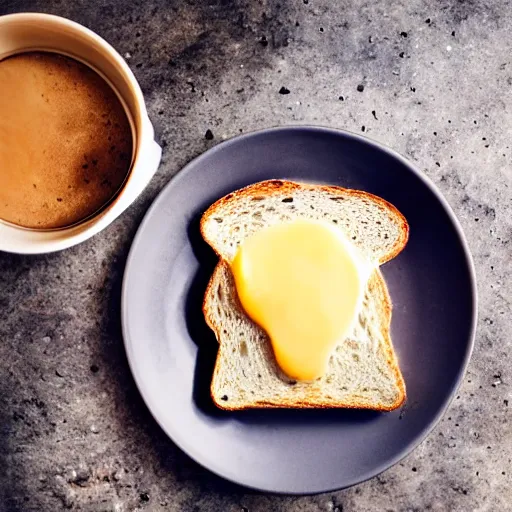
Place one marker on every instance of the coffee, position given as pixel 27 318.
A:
pixel 65 141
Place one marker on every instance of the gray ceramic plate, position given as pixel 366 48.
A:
pixel 172 352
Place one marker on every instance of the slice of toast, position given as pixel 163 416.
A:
pixel 363 371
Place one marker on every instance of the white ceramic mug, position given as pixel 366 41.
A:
pixel 30 31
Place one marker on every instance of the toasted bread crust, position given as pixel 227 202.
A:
pixel 285 188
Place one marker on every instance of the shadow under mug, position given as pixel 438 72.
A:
pixel 25 32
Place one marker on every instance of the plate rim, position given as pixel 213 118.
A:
pixel 189 168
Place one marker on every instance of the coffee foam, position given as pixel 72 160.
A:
pixel 65 141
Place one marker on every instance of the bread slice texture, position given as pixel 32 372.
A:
pixel 373 225
pixel 363 371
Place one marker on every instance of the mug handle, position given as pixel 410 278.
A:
pixel 146 171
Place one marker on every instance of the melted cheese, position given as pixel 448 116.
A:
pixel 303 283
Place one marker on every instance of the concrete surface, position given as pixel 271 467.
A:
pixel 437 87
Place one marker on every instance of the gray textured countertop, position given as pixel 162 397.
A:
pixel 437 79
